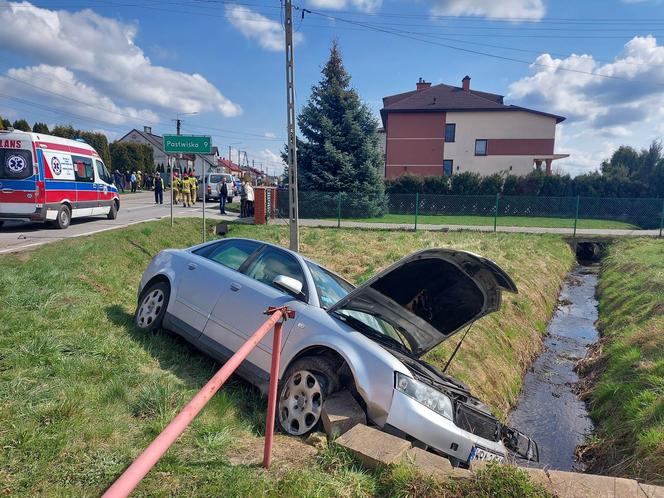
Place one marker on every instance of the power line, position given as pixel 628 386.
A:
pixel 475 52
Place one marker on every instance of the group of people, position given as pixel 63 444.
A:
pixel 246 192
pixel 185 188
pixel 134 180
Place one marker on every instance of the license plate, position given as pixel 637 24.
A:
pixel 483 455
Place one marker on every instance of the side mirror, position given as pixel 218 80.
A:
pixel 289 284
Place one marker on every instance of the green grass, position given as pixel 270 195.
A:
pixel 82 392
pixel 627 402
pixel 503 221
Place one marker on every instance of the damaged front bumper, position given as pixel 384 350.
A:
pixel 442 434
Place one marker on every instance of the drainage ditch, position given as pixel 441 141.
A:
pixel 548 409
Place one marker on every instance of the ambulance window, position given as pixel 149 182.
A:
pixel 15 164
pixel 83 169
pixel 103 172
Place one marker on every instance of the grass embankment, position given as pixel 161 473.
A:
pixel 627 402
pixel 82 392
pixel 503 221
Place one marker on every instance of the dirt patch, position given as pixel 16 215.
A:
pixel 288 453
pixel 97 286
pixel 589 370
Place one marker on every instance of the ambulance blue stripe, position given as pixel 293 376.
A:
pixel 27 184
pixel 40 162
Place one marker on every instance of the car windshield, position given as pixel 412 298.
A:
pixel 215 178
pixel 374 327
pixel 329 287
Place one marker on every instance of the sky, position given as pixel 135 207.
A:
pixel 114 65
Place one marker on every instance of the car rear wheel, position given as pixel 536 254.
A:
pixel 1 223
pixel 64 217
pixel 302 392
pixel 152 306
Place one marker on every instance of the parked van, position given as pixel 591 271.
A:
pixel 212 180
pixel 47 178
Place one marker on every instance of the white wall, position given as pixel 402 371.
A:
pixel 477 125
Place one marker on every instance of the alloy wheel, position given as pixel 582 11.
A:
pixel 300 403
pixel 150 308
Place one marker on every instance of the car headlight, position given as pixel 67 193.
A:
pixel 424 394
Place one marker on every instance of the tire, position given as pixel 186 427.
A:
pixel 302 392
pixel 63 220
pixel 151 307
pixel 2 222
pixel 113 213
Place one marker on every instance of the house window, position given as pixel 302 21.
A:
pixel 480 146
pixel 450 131
pixel 448 167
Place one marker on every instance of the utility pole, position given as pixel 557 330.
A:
pixel 292 138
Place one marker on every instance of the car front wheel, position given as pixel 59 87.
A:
pixel 302 392
pixel 152 307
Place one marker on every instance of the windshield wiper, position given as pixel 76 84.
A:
pixel 365 329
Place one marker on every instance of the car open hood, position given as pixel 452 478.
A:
pixel 431 294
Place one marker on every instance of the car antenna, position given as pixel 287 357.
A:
pixel 457 348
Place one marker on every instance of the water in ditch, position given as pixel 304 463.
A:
pixel 548 410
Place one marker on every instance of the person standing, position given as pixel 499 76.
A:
pixel 193 183
pixel 158 189
pixel 243 201
pixel 132 180
pixel 186 190
pixel 222 190
pixel 250 198
pixel 117 179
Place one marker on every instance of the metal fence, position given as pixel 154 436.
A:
pixel 481 210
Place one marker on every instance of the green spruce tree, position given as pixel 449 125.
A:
pixel 40 128
pixel 340 151
pixel 21 124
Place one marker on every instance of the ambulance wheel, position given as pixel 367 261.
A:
pixel 113 213
pixel 64 217
pixel 152 306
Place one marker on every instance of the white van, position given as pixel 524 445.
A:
pixel 47 178
pixel 212 180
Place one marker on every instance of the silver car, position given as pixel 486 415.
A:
pixel 368 340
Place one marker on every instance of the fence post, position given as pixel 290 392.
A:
pixel 576 216
pixel 417 207
pixel 495 214
pixel 661 220
pixel 339 210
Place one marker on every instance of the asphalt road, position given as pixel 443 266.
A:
pixel 134 208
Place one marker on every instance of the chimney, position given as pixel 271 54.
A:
pixel 422 85
pixel 147 129
pixel 465 83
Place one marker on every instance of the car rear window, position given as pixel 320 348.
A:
pixel 230 253
pixel 15 164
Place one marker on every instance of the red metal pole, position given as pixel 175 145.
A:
pixel 272 395
pixel 130 478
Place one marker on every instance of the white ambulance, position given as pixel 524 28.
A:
pixel 47 178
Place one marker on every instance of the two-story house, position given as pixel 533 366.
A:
pixel 442 130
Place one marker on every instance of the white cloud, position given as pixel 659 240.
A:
pixel 269 134
pixel 361 5
pixel 62 81
pixel 625 106
pixel 103 51
pixel 268 33
pixel 511 9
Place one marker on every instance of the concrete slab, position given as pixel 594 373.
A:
pixel 372 447
pixel 428 463
pixel 652 491
pixel 341 413
pixel 626 488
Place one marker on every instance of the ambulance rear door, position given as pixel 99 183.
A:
pixel 18 178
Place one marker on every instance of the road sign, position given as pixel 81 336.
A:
pixel 187 144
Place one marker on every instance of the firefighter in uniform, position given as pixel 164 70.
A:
pixel 194 187
pixel 177 187
pixel 186 190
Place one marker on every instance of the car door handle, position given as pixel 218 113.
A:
pixel 7 190
pixel 235 286
pixel 192 266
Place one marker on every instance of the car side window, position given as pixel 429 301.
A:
pixel 230 253
pixel 83 170
pixel 272 262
